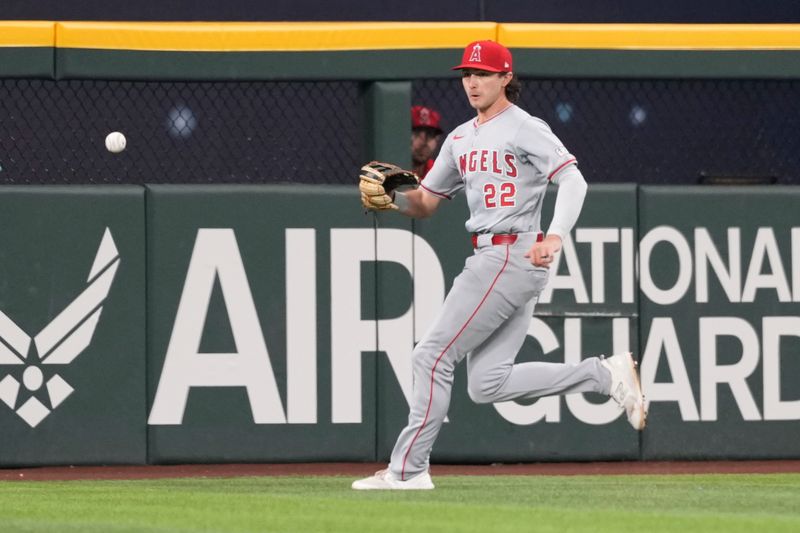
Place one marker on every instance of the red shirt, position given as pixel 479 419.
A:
pixel 428 166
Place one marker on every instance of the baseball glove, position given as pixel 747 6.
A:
pixel 379 181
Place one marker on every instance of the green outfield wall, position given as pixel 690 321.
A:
pixel 168 324
pixel 72 325
pixel 720 321
pixel 242 336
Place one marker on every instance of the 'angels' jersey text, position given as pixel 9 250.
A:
pixel 488 161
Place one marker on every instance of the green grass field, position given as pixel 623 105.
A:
pixel 683 503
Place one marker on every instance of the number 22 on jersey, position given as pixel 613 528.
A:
pixel 503 196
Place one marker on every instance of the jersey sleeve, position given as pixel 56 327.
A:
pixel 539 146
pixel 443 179
pixel 569 200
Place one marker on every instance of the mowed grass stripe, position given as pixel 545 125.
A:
pixel 680 503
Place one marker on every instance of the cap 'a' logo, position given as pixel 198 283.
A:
pixel 59 343
pixel 475 56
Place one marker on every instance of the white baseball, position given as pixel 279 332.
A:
pixel 115 142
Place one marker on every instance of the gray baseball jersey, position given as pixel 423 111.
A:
pixel 504 166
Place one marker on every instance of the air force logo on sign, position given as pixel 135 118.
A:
pixel 59 343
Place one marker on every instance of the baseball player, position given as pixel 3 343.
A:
pixel 503 160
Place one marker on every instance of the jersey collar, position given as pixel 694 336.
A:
pixel 475 122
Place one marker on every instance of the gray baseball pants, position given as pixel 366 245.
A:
pixel 484 318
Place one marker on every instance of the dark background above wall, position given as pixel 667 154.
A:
pixel 680 11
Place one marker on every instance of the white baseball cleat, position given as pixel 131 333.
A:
pixel 626 388
pixel 385 480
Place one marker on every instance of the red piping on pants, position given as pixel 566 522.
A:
pixel 433 370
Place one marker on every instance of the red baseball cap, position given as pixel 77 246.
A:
pixel 425 117
pixel 486 55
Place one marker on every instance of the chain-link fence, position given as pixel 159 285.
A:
pixel 233 132
pixel 645 131
pixel 659 131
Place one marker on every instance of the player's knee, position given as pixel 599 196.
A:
pixel 422 360
pixel 486 388
pixel 480 393
pixel 476 394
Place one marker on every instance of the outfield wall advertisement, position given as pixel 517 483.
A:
pixel 269 323
pixel 720 285
pixel 72 325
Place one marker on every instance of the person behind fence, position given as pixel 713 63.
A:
pixel 503 160
pixel 426 132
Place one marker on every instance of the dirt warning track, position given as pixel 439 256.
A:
pixel 363 469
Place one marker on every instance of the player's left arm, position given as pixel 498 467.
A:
pixel 539 144
pixel 569 202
